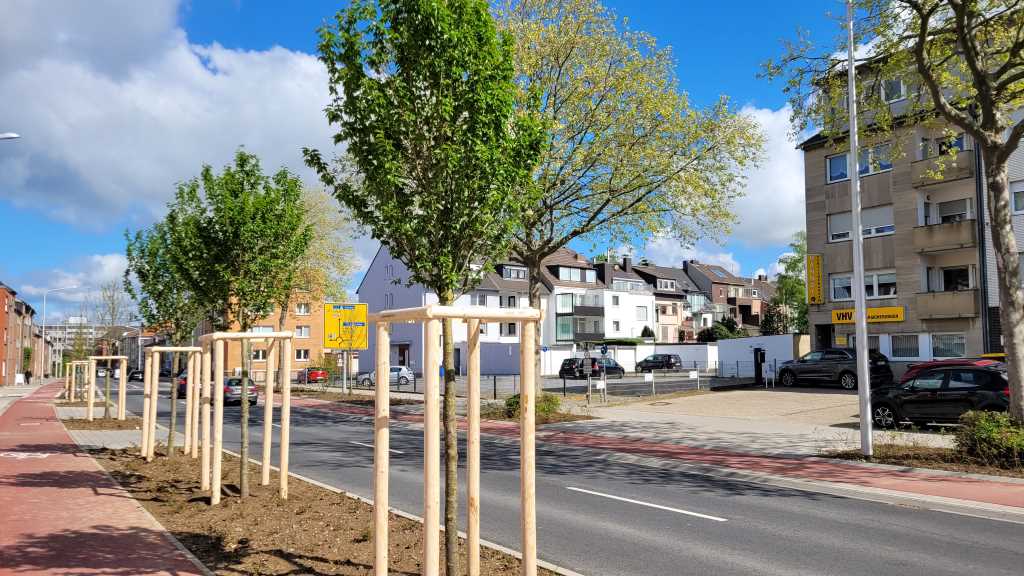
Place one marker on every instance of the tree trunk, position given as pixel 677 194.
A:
pixel 243 482
pixel 533 271
pixel 174 404
pixel 282 317
pixel 451 447
pixel 106 392
pixel 1011 295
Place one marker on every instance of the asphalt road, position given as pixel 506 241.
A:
pixel 601 517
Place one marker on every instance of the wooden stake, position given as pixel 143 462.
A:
pixel 90 389
pixel 147 388
pixel 154 404
pixel 204 482
pixel 122 390
pixel 189 398
pixel 218 419
pixel 268 413
pixel 381 446
pixel 286 413
pixel 527 471
pixel 198 364
pixel 431 449
pixel 473 450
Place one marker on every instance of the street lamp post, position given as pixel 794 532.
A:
pixel 9 136
pixel 46 350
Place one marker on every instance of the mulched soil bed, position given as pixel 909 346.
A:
pixel 101 424
pixel 497 412
pixel 315 531
pixel 927 457
pixel 97 405
pixel 356 399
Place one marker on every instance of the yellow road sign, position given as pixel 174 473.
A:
pixel 815 280
pixel 345 326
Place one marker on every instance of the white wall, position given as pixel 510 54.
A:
pixel 625 314
pixel 777 349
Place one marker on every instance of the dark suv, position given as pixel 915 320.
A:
pixel 834 365
pixel 659 362
pixel 583 367
pixel 941 395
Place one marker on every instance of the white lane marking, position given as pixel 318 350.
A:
pixel 276 425
pixel 648 504
pixel 29 424
pixel 371 446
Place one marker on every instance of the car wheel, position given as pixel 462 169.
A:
pixel 788 379
pixel 884 416
pixel 848 381
pixel 365 382
pixel 403 381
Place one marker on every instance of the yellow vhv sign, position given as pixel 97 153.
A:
pixel 345 326
pixel 884 314
pixel 815 280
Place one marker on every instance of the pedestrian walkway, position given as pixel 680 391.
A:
pixel 62 513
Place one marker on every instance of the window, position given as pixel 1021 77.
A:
pixel 872 343
pixel 627 285
pixel 956 278
pixel 874 159
pixel 479 299
pixel 942 145
pixel 949 345
pixel 483 328
pixel 812 356
pixel 261 329
pixel 893 90
pixel 754 293
pixel 929 381
pixel 835 355
pixel 876 285
pixel 615 300
pixel 666 284
pixel 259 355
pixel 563 328
pixel 302 354
pixel 514 272
pixel 1017 190
pixel 581 325
pixel 302 331
pixel 302 309
pixel 947 146
pixel 615 326
pixel 953 211
pixel 510 302
pixel 641 313
pixel 836 168
pixel 905 346
pixel 570 274
pixel 563 303
pixel 875 221
pixel 510 329
pixel 590 276
pixel 967 379
pixel 389 300
pixel 595 326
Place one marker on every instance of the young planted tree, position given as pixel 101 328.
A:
pixel 628 156
pixel 112 309
pixel 161 296
pixel 791 286
pixel 424 100
pixel 234 240
pixel 960 62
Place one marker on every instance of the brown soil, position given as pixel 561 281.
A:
pixel 927 457
pixel 97 405
pixel 101 424
pixel 316 531
pixel 356 399
pixel 497 412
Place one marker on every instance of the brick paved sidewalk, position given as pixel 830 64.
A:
pixel 62 513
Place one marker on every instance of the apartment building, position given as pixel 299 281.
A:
pixel 7 342
pixel 20 333
pixel 923 261
pixel 731 295
pixel 989 280
pixel 681 309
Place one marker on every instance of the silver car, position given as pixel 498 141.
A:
pixel 400 375
pixel 233 392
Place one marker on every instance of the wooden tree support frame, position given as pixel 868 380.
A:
pixel 122 385
pixel 432 317
pixel 72 382
pixel 151 395
pixel 213 363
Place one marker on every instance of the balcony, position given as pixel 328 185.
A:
pixel 946 236
pixel 927 172
pixel 944 305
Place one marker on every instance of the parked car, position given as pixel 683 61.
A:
pixel 915 369
pixel 575 368
pixel 833 365
pixel 136 376
pixel 659 362
pixel 400 375
pixel 101 372
pixel 233 391
pixel 941 395
pixel 608 367
pixel 313 376
pixel 165 372
pixel 182 381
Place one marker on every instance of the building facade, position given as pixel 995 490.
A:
pixel 8 342
pixel 730 295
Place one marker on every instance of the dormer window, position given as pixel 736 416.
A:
pixel 513 272
pixel 666 284
pixel 570 274
pixel 893 90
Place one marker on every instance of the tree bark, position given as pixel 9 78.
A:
pixel 451 446
pixel 106 392
pixel 1011 295
pixel 243 482
pixel 174 404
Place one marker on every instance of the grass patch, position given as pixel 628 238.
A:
pixel 548 410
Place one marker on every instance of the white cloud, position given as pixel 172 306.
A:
pixel 773 208
pixel 760 272
pixel 667 251
pixel 115 107
pixel 84 276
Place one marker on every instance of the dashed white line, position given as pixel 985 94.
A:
pixel 648 504
pixel 371 446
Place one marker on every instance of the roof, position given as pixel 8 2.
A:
pixel 497 282
pixel 716 273
pixel 570 258
pixel 684 283
pixel 8 289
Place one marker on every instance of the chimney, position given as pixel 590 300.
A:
pixel 627 264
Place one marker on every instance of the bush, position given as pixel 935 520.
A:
pixel 547 404
pixel 992 438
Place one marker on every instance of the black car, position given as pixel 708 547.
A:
pixel 833 365
pixel 659 362
pixel 135 376
pixel 609 367
pixel 583 367
pixel 941 395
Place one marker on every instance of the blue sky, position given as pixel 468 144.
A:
pixel 118 101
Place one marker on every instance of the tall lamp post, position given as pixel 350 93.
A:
pixel 46 350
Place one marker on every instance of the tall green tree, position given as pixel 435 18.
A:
pixel 627 155
pixel 791 285
pixel 773 320
pixel 961 66
pixel 161 296
pixel 424 100
pixel 235 238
